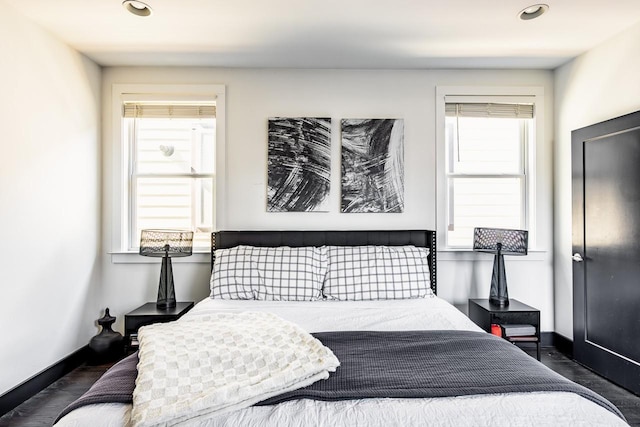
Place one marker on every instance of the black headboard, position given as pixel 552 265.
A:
pixel 422 238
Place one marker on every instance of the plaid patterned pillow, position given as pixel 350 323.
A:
pixel 376 272
pixel 273 274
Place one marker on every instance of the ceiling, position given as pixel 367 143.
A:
pixel 397 34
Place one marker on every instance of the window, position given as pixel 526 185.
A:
pixel 487 166
pixel 168 155
pixel 172 168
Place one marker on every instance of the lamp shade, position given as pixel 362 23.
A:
pixel 160 243
pixel 512 242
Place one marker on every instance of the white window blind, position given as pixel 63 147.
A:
pixel 496 110
pixel 486 167
pixel 168 111
pixel 171 169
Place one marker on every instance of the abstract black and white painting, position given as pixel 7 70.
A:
pixel 372 165
pixel 299 157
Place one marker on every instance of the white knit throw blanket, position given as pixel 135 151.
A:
pixel 207 365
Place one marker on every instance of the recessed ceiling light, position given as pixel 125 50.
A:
pixel 137 7
pixel 533 11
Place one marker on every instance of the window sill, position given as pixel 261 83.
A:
pixel 131 257
pixel 469 255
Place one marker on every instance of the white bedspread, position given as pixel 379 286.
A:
pixel 215 363
pixel 508 410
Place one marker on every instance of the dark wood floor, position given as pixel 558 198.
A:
pixel 42 409
pixel 627 402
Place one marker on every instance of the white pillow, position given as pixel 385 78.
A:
pixel 376 272
pixel 274 274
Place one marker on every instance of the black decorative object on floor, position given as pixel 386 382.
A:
pixel 166 244
pixel 108 345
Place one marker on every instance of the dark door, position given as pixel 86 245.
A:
pixel 606 248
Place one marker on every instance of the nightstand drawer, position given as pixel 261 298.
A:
pixel 148 314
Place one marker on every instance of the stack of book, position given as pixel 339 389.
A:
pixel 134 340
pixel 519 332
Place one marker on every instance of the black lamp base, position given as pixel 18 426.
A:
pixel 166 291
pixel 498 295
pixel 499 302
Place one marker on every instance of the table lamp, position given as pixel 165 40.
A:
pixel 166 244
pixel 500 242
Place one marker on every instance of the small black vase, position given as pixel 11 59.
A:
pixel 108 345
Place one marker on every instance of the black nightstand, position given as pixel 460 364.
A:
pixel 146 315
pixel 483 314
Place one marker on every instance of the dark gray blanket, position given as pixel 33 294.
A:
pixel 414 364
pixel 115 386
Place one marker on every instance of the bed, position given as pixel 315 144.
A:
pixel 361 330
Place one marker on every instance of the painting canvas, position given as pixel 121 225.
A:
pixel 372 165
pixel 299 164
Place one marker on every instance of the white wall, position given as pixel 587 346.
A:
pixel 50 214
pixel 598 85
pixel 253 95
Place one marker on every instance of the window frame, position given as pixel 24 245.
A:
pixel 449 94
pixel 121 252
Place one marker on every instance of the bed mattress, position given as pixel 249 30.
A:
pixel 513 409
